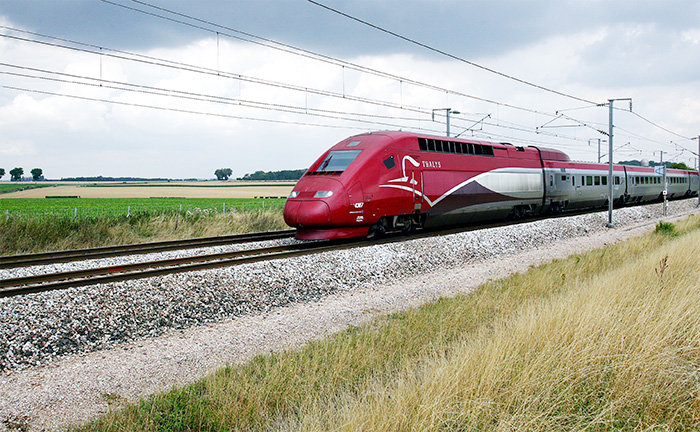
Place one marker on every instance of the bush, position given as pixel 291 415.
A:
pixel 666 228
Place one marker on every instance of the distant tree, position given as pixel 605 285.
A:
pixel 275 175
pixel 36 173
pixel 2 172
pixel 223 173
pixel 679 165
pixel 16 174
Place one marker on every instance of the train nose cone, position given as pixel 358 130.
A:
pixel 307 213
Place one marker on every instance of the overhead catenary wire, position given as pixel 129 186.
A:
pixel 452 56
pixel 636 114
pixel 214 99
pixel 156 61
pixel 180 110
pixel 107 84
pixel 150 60
pixel 125 55
pixel 273 44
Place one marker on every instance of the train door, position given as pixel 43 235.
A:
pixel 578 184
pixel 415 178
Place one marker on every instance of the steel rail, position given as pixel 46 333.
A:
pixel 56 281
pixel 13 261
pixel 30 284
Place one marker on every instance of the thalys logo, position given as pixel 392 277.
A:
pixel 410 183
pixel 432 164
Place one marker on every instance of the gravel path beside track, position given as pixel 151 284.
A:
pixel 323 294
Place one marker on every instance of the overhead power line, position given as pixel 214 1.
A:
pixel 452 56
pixel 294 109
pixel 156 91
pixel 656 124
pixel 179 110
pixel 281 46
pixel 155 61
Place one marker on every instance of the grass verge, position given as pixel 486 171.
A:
pixel 605 340
pixel 53 232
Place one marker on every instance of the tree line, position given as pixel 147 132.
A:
pixel 275 175
pixel 17 173
pixel 671 165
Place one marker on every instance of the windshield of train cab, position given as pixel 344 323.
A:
pixel 338 160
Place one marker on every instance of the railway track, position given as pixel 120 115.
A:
pixel 14 261
pixel 55 281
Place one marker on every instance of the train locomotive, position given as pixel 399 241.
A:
pixel 380 182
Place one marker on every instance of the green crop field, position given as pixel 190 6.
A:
pixel 121 206
pixel 7 188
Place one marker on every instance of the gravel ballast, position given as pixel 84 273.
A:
pixel 359 286
pixel 38 328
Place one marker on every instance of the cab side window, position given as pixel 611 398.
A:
pixel 389 162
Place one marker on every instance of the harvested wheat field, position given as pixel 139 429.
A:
pixel 161 190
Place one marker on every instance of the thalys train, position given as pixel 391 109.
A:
pixel 381 182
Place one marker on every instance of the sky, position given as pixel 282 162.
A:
pixel 128 88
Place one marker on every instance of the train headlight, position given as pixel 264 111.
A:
pixel 293 194
pixel 323 194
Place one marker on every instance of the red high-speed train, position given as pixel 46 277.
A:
pixel 389 181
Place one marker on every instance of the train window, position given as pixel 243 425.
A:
pixel 604 180
pixel 573 180
pixel 353 144
pixel 617 180
pixel 563 178
pixel 423 144
pixel 338 160
pixel 389 162
pixel 589 180
pixel 583 182
pixel 596 180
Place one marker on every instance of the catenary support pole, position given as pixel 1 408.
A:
pixel 665 186
pixel 698 170
pixel 447 111
pixel 598 150
pixel 610 163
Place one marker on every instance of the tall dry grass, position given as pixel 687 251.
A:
pixel 598 341
pixel 620 352
pixel 26 235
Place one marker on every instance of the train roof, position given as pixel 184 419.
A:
pixel 547 153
